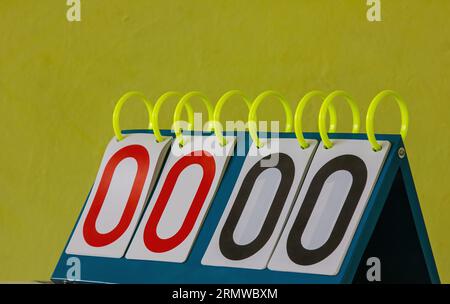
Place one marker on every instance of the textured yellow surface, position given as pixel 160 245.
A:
pixel 59 82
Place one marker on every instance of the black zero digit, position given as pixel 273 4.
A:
pixel 357 168
pixel 227 245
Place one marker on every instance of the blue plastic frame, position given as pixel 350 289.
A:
pixel 112 270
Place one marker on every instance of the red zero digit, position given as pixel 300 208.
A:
pixel 151 239
pixel 91 235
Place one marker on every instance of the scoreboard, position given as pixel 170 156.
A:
pixel 228 219
pixel 189 206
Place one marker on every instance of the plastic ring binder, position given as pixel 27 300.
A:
pixel 118 108
pixel 163 98
pixel 218 108
pixel 299 113
pixel 177 114
pixel 323 114
pixel 252 119
pixel 371 113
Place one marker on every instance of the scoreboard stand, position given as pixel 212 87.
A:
pixel 391 229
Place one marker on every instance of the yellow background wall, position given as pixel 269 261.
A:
pixel 59 82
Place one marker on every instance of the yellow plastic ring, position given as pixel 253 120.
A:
pixel 177 114
pixel 323 115
pixel 118 108
pixel 371 113
pixel 299 113
pixel 252 118
pixel 218 108
pixel 162 99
